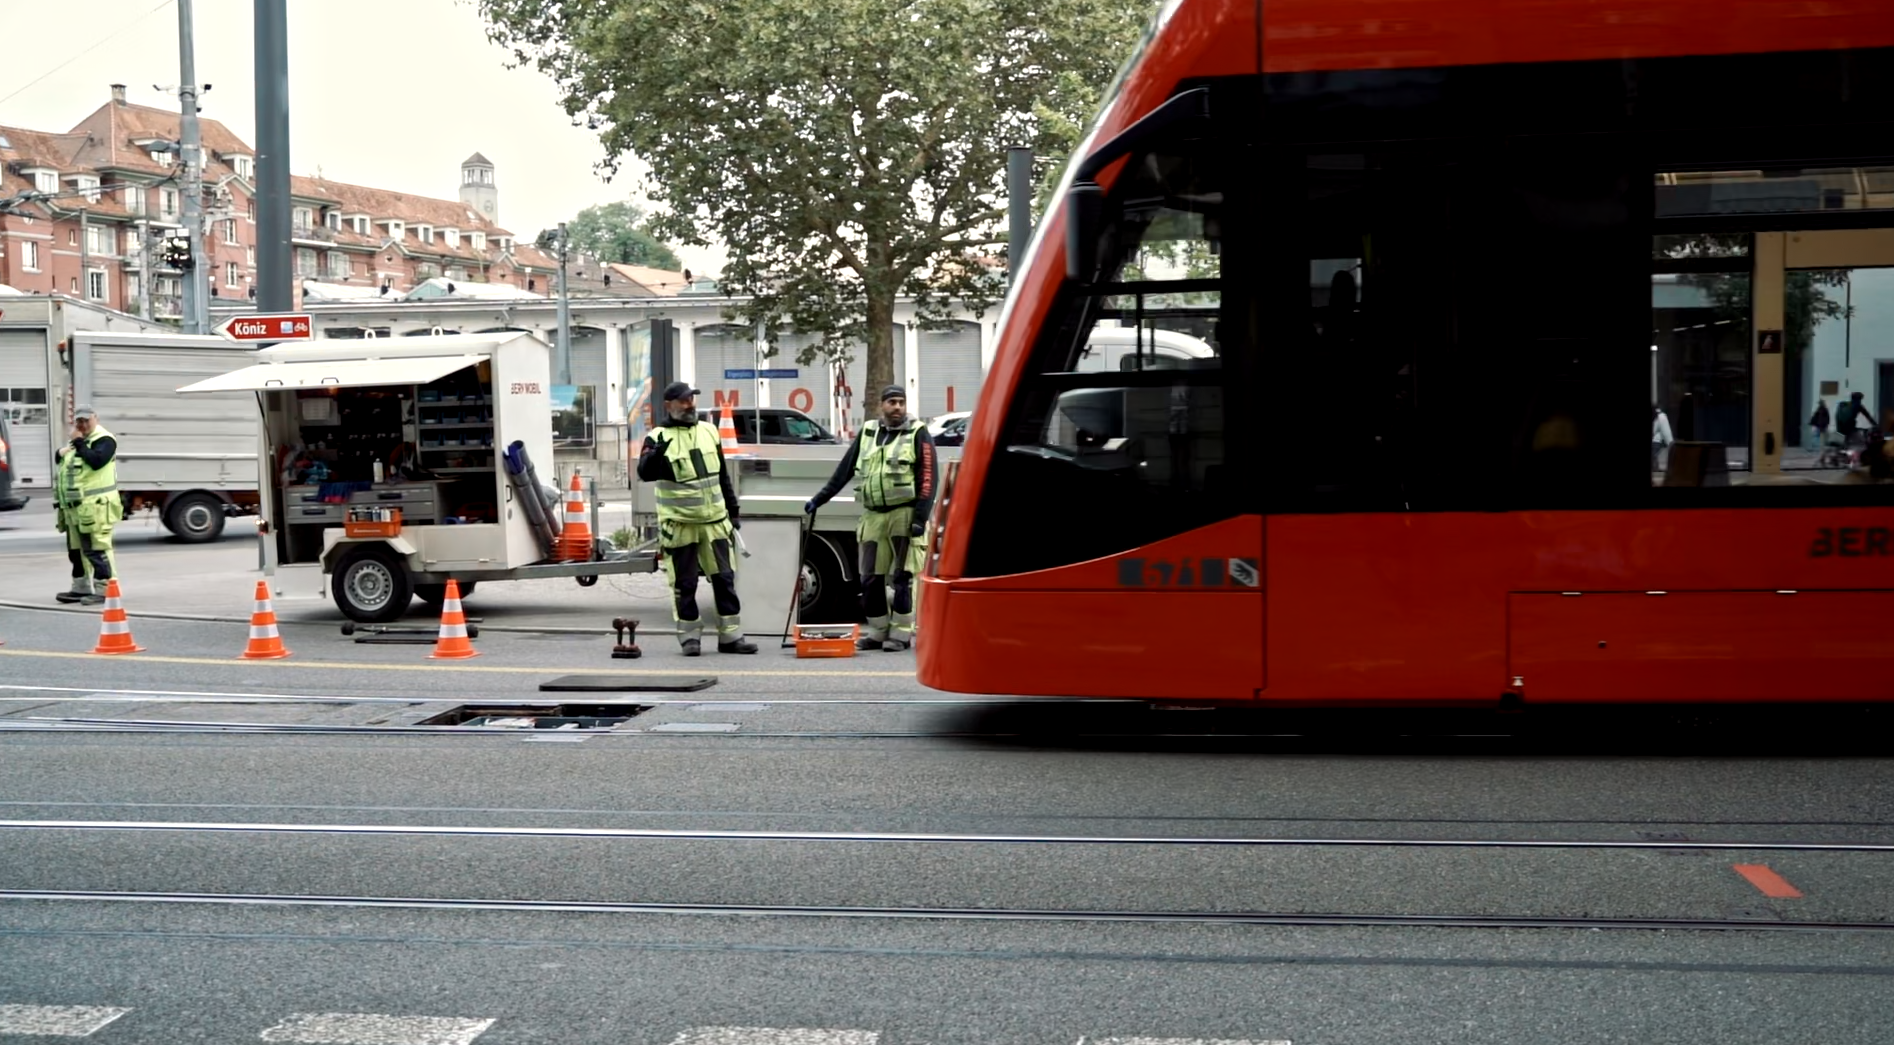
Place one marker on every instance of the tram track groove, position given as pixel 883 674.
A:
pixel 919 913
pixel 928 838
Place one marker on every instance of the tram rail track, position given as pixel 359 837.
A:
pixel 918 913
pixel 931 838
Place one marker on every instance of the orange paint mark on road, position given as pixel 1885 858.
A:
pixel 1771 883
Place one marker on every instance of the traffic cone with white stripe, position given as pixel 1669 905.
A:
pixel 453 643
pixel 265 642
pixel 115 630
pixel 727 431
pixel 575 535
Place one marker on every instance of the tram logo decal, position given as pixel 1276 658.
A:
pixel 1190 573
pixel 1852 542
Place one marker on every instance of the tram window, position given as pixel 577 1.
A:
pixel 1125 401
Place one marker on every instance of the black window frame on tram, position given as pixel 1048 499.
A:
pixel 1043 507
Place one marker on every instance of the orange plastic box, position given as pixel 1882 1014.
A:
pixel 354 526
pixel 826 640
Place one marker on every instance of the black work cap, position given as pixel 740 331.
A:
pixel 678 390
pixel 894 392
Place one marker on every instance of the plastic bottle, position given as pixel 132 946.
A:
pixel 379 473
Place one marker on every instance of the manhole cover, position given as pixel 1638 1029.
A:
pixel 626 684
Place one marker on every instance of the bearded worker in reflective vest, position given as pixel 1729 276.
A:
pixel 892 463
pixel 697 517
pixel 86 497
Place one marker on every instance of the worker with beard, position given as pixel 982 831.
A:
pixel 697 518
pixel 892 463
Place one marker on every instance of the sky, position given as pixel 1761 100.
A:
pixel 388 93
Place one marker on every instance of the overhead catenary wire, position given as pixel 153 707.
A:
pixel 101 42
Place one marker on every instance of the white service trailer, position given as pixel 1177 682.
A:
pixel 192 459
pixel 386 467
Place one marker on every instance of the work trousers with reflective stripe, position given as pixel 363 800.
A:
pixel 701 549
pixel 91 555
pixel 889 560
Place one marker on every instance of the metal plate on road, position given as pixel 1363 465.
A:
pixel 626 684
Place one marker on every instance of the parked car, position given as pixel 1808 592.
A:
pixel 8 502
pixel 950 429
pixel 780 425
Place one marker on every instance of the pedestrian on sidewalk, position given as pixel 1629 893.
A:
pixel 1660 436
pixel 697 519
pixel 87 506
pixel 892 463
pixel 1818 422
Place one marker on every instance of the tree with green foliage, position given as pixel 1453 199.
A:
pixel 620 232
pixel 846 152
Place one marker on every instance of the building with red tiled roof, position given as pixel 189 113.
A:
pixel 79 209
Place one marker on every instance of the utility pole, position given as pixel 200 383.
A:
pixel 1018 207
pixel 562 341
pixel 196 309
pixel 274 291
pixel 144 268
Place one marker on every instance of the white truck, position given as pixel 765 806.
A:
pixel 387 468
pixel 192 459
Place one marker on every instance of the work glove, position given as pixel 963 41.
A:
pixel 918 529
pixel 736 523
pixel 809 507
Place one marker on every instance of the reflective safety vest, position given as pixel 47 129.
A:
pixel 696 495
pixel 79 481
pixel 884 474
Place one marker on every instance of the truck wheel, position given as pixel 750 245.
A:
pixel 371 585
pixel 195 518
pixel 827 596
pixel 435 594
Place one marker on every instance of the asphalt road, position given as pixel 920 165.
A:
pixel 823 853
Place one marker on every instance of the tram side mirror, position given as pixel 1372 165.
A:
pixel 1084 222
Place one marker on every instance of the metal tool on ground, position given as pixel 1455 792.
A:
pixel 350 628
pixel 626 646
pixel 266 643
pixel 453 644
pixel 115 629
pixel 802 567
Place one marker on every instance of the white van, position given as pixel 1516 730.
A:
pixel 1116 348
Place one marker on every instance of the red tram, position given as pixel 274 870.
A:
pixel 1514 315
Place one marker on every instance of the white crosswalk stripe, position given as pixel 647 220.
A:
pixel 774 1036
pixel 56 1021
pixel 360 1028
pixel 1184 1041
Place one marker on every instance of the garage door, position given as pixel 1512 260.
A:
pixel 950 369
pixel 23 396
pixel 724 348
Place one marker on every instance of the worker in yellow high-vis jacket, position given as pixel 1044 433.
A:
pixel 88 506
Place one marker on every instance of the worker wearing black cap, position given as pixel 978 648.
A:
pixel 697 513
pixel 892 463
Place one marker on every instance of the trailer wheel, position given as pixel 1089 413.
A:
pixel 371 585
pixel 587 581
pixel 195 518
pixel 827 595
pixel 435 594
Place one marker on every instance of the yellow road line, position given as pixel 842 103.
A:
pixel 485 669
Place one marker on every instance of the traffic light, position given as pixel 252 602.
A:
pixel 177 252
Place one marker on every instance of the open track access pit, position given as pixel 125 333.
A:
pixel 537 716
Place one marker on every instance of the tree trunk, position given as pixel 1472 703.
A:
pixel 881 345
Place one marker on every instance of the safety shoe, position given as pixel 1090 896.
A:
pixel 736 646
pixel 894 645
pixel 70 596
pixel 868 643
pixel 693 648
pixel 91 600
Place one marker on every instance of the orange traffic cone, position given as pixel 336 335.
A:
pixel 115 631
pixel 452 643
pixel 575 536
pixel 727 431
pixel 265 643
